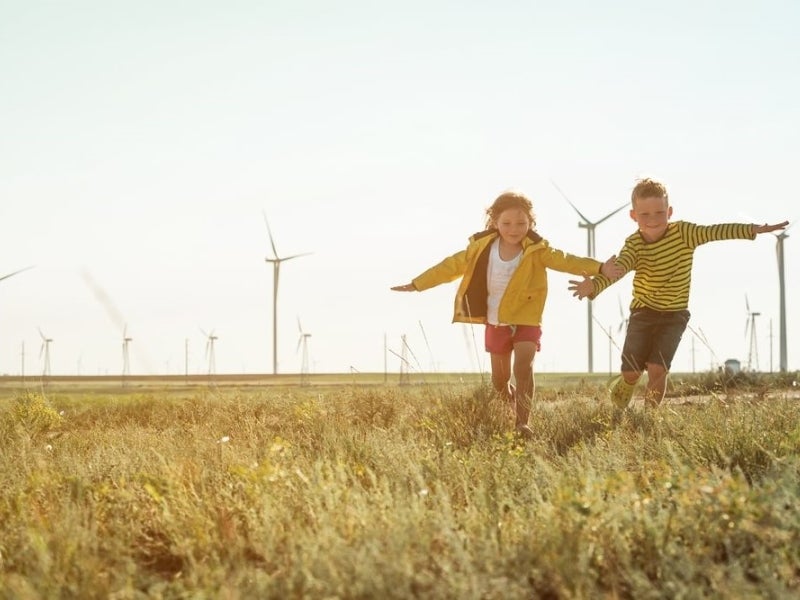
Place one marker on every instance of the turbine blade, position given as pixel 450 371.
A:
pixel 269 232
pixel 611 214
pixel 296 256
pixel 575 208
pixel 15 273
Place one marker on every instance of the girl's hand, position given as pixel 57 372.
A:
pixel 408 287
pixel 611 269
pixel 765 228
pixel 582 288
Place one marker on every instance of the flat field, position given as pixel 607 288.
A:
pixel 353 486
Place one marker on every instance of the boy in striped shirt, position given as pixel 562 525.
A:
pixel 661 253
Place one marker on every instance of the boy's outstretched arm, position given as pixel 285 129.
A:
pixel 766 228
pixel 581 288
pixel 611 269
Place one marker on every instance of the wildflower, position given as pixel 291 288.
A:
pixel 224 439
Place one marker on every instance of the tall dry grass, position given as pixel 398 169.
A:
pixel 395 493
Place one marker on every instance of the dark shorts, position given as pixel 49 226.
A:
pixel 653 337
pixel 500 339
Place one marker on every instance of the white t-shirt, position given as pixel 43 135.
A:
pixel 497 278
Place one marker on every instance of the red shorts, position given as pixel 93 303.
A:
pixel 500 339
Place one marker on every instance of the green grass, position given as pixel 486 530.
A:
pixel 397 492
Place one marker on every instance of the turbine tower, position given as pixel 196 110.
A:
pixel 302 341
pixel 784 363
pixel 753 344
pixel 45 351
pixel 589 226
pixel 276 268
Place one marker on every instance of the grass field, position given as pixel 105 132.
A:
pixel 349 488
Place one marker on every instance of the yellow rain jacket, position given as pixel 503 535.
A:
pixel 524 298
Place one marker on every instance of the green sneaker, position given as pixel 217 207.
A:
pixel 620 392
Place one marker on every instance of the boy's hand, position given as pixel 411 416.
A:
pixel 583 288
pixel 765 228
pixel 611 269
pixel 408 287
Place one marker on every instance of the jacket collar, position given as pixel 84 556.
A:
pixel 531 238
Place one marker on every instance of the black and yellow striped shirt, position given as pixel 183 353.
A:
pixel 664 268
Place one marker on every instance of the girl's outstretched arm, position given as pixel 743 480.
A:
pixel 581 288
pixel 408 287
pixel 765 228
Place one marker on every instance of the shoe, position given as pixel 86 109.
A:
pixel 524 431
pixel 619 398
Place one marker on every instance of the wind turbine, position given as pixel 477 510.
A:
pixel 126 362
pixel 750 326
pixel 303 341
pixel 45 351
pixel 210 339
pixel 23 345
pixel 276 268
pixel 782 284
pixel 589 226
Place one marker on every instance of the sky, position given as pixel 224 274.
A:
pixel 143 144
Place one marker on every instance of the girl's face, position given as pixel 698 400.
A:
pixel 513 225
pixel 652 215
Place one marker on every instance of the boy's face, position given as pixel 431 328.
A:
pixel 652 215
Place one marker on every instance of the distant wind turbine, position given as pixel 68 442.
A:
pixel 23 346
pixel 212 361
pixel 45 351
pixel 276 268
pixel 589 226
pixel 126 361
pixel 750 326
pixel 302 342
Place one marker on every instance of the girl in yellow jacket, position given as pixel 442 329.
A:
pixel 504 286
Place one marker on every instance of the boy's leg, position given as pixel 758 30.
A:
pixel 622 389
pixel 667 338
pixel 656 384
pixel 524 353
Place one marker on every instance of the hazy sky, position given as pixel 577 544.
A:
pixel 141 143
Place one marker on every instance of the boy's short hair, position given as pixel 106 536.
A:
pixel 648 188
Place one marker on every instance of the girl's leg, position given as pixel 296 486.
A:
pixel 501 373
pixel 524 353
